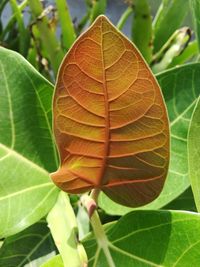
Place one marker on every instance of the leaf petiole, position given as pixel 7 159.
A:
pixel 98 229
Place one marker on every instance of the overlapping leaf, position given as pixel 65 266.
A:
pixel 150 238
pixel 27 151
pixel 110 121
pixel 31 246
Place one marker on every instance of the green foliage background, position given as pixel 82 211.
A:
pixel 33 43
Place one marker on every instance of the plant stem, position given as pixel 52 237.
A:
pixel 68 32
pixel 48 37
pixel 95 221
pixel 124 17
pixel 23 33
pixel 95 194
pixel 83 22
pixel 101 237
pixel 13 19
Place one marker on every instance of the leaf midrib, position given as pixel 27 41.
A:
pixel 12 141
pixel 107 115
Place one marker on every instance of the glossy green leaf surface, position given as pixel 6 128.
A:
pixel 180 88
pixel 194 154
pixel 30 247
pixel 151 238
pixel 168 19
pixel 27 151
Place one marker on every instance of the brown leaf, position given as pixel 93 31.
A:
pixel 110 121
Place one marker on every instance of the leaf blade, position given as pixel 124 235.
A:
pixel 129 242
pixel 178 84
pixel 27 151
pixel 114 98
pixel 31 244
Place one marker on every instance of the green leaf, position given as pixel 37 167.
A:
pixel 183 202
pixel 63 225
pixel 28 247
pixel 168 19
pixel 27 151
pixel 142 28
pixel 55 261
pixel 195 6
pixel 194 154
pixel 181 88
pixel 151 238
pixel 25 111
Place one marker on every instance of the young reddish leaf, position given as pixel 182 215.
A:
pixel 110 121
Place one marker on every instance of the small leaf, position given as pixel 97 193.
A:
pixel 168 19
pixel 26 145
pixel 150 238
pixel 31 245
pixel 181 89
pixel 110 121
pixel 194 154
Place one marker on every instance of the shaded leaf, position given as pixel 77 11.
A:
pixel 168 19
pixel 110 121
pixel 181 88
pixel 26 145
pixel 33 244
pixel 183 202
pixel 151 238
pixel 194 154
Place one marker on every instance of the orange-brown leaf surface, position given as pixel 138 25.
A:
pixel 110 120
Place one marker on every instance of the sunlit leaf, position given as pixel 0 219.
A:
pixel 150 238
pixel 110 121
pixel 181 89
pixel 54 261
pixel 27 151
